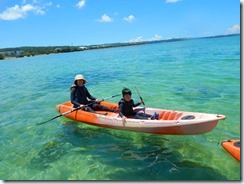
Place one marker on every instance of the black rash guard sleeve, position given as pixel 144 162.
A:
pixel 72 97
pixel 137 104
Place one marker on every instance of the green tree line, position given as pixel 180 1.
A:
pixel 32 51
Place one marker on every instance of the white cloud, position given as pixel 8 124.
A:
pixel 137 39
pixel 17 12
pixel 130 18
pixel 142 39
pixel 105 18
pixel 81 3
pixel 172 1
pixel 156 37
pixel 49 4
pixel 234 29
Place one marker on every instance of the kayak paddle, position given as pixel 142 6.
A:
pixel 139 96
pixel 76 109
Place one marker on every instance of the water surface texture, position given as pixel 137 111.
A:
pixel 201 75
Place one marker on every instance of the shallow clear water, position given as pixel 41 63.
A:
pixel 201 75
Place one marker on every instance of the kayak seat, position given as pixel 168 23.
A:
pixel 161 115
pixel 164 115
pixel 172 115
pixel 178 116
pixel 169 115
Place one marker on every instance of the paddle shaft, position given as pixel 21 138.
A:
pixel 75 110
pixel 139 96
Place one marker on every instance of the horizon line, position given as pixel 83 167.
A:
pixel 134 42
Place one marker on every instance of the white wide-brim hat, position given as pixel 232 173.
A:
pixel 80 77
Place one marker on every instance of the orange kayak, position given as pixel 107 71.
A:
pixel 170 122
pixel 232 147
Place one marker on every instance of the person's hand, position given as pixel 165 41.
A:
pixel 142 102
pixel 124 118
pixel 82 106
pixel 97 100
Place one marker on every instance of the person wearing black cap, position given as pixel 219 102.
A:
pixel 126 105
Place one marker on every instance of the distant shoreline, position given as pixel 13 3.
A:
pixel 18 52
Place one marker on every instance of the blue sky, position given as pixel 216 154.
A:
pixel 87 22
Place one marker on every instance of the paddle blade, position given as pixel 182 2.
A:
pixel 59 116
pixel 139 96
pixel 49 120
pixel 142 101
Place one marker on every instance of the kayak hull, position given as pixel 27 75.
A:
pixel 232 147
pixel 170 122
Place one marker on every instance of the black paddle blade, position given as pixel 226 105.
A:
pixel 142 101
pixel 49 120
pixel 59 116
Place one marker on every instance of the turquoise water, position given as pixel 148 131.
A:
pixel 201 75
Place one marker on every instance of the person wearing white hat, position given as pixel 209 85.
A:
pixel 80 77
pixel 79 96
